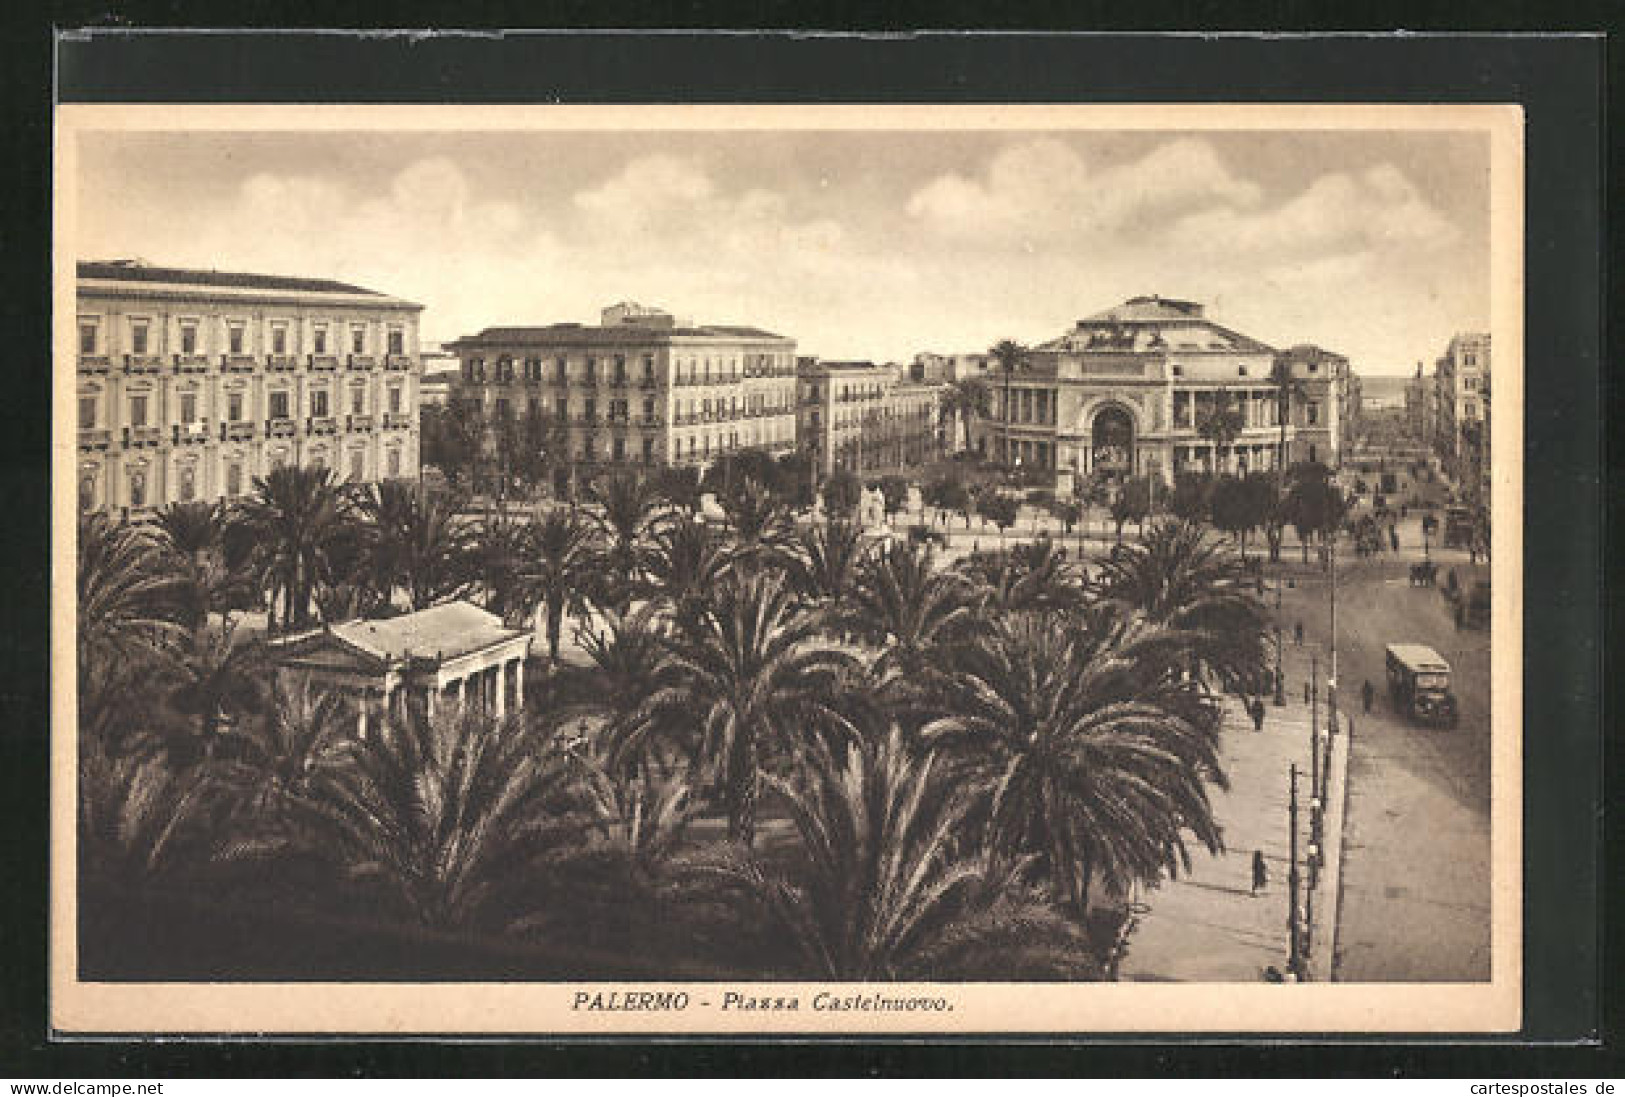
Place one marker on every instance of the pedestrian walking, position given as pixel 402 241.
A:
pixel 1367 694
pixel 1393 537
pixel 1306 693
pixel 1297 634
pixel 1261 872
pixel 1256 708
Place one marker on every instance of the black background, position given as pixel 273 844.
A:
pixel 1558 80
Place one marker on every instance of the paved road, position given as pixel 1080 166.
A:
pixel 1416 870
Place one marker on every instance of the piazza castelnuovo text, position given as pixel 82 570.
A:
pixel 731 1001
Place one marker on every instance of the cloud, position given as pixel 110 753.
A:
pixel 1339 213
pixel 1045 188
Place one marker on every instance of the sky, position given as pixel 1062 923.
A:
pixel 858 245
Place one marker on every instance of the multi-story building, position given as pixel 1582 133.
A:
pixel 864 417
pixel 1127 390
pixel 1461 384
pixel 1420 404
pixel 192 383
pixel 1321 413
pixel 640 388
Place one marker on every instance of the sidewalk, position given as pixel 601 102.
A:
pixel 1207 926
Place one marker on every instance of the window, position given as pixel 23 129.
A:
pixel 618 448
pixel 138 337
pixel 648 450
pixel 357 465
pixel 1241 371
pixel 189 337
pixel 394 399
pixel 188 407
pixel 234 479
pixel 358 400
pixel 589 408
pixel 1179 371
pixel 318 339
pixel 138 488
pixel 318 461
pixel 397 341
pixel 87 491
pixel 234 338
pixel 318 404
pixel 87 412
pixel 279 339
pixel 1470 384
pixel 87 337
pixel 138 411
pixel 1311 453
pixel 234 407
pixel 648 407
pixel 188 483
pixel 358 339
pixel 279 404
pixel 1312 413
pixel 393 462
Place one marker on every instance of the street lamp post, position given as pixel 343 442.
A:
pixel 1294 960
pixel 1280 680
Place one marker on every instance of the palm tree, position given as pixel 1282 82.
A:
pixel 748 676
pixel 908 608
pixel 1032 576
pixel 825 567
pixel 556 573
pixel 297 517
pixel 217 682
pixel 1220 425
pixel 414 540
pixel 191 530
pixel 130 618
pixel 446 813
pixel 139 820
pixel 879 889
pixel 967 400
pixel 762 527
pixel 1009 356
pixel 496 554
pixel 630 511
pixel 1090 754
pixel 1180 578
pixel 271 763
pixel 688 559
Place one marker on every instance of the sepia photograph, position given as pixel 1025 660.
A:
pixel 787 569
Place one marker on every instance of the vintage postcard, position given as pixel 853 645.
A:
pixel 787 570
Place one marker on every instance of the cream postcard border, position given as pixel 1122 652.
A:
pixel 1015 1008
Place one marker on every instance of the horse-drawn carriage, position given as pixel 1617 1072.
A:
pixel 1424 574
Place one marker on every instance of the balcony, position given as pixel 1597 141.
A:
pixel 282 363
pixel 647 381
pixel 358 422
pixel 237 430
pixel 283 427
pixel 650 421
pixel 191 434
pixel 361 362
pixel 237 363
pixel 94 363
pixel 396 420
pixel 619 381
pixel 323 424
pixel 191 363
pixel 95 437
pixel 324 363
pixel 142 436
pixel 398 361
pixel 142 363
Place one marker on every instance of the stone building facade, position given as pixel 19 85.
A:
pixel 639 388
pixel 192 383
pixel 865 418
pixel 1126 390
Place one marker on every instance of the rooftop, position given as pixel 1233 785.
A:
pixel 445 631
pixel 575 334
pixel 1146 325
pixel 1143 309
pixel 133 270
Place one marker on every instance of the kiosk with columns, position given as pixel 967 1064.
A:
pixel 451 654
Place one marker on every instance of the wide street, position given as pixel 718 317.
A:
pixel 1416 868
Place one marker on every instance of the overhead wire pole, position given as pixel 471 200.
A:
pixel 1294 962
